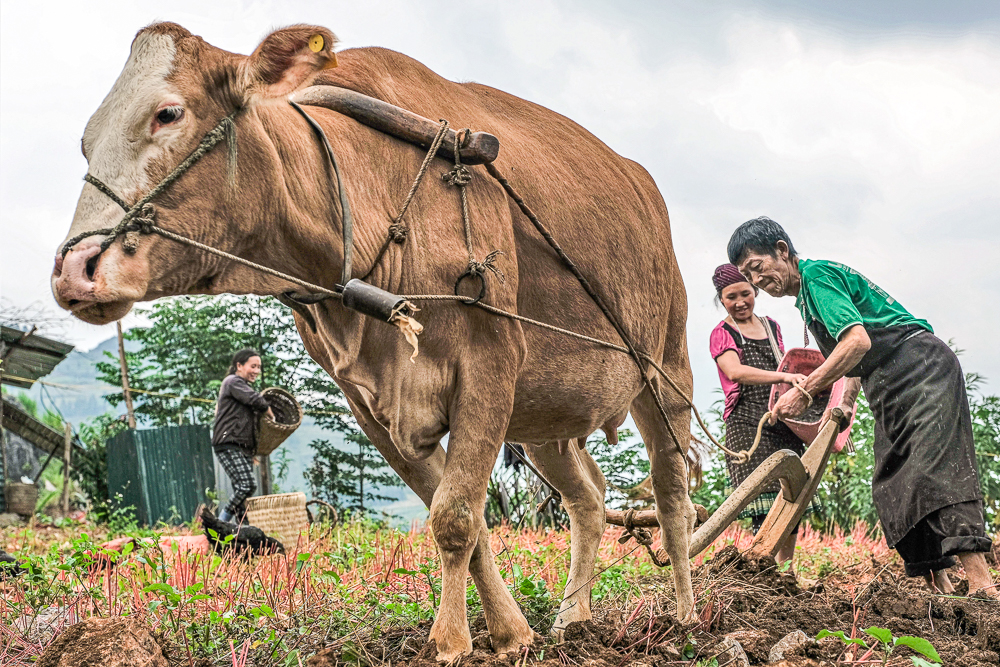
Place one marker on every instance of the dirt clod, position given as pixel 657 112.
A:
pixel 104 642
pixel 787 645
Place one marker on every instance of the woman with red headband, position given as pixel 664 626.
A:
pixel 747 350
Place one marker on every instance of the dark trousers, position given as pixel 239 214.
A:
pixel 238 464
pixel 932 543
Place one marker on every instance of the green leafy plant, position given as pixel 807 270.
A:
pixel 888 642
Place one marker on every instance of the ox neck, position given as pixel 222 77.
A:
pixel 347 221
pixel 301 191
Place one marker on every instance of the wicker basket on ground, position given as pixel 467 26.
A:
pixel 281 515
pixel 21 498
pixel 287 417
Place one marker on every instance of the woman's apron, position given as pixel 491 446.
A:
pixel 924 452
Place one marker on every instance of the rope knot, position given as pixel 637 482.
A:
pixel 398 232
pixel 142 223
pixel 640 535
pixel 488 264
pixel 459 176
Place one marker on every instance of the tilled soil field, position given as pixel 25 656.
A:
pixel 746 603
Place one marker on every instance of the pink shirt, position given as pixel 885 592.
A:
pixel 720 341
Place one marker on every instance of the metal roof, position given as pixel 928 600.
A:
pixel 16 420
pixel 28 356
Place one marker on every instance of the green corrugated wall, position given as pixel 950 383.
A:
pixel 162 472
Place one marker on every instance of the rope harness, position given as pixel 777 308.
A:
pixel 140 218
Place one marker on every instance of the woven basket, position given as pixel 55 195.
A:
pixel 21 498
pixel 281 515
pixel 287 417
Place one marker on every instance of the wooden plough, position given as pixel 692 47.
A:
pixel 799 480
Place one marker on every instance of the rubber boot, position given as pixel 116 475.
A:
pixel 226 515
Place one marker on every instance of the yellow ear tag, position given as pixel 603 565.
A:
pixel 316 43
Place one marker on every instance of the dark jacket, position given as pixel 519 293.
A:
pixel 236 413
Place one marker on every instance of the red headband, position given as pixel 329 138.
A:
pixel 726 275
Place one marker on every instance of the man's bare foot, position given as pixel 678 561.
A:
pixel 938 582
pixel 978 573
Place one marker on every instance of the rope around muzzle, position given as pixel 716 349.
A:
pixel 139 218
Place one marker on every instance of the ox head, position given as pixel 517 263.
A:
pixel 174 89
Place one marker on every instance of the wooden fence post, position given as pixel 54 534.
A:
pixel 67 466
pixel 125 387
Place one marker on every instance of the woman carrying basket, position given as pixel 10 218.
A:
pixel 747 349
pixel 233 432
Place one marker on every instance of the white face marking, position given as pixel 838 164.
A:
pixel 118 140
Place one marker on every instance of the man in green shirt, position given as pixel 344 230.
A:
pixel 926 485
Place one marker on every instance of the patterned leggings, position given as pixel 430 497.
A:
pixel 238 464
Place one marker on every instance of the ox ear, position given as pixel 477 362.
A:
pixel 287 59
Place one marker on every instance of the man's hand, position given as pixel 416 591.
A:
pixel 270 413
pixel 852 386
pixel 791 404
pixel 847 409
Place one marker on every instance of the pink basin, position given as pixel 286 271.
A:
pixel 804 360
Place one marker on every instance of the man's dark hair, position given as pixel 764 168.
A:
pixel 241 358
pixel 759 235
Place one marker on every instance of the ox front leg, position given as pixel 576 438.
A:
pixel 503 617
pixel 458 525
pixel 674 510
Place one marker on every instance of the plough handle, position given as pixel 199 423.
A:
pixel 799 480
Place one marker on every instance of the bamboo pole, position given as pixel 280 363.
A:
pixel 67 466
pixel 124 366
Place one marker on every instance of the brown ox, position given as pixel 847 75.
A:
pixel 480 378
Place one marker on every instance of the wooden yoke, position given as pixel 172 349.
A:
pixel 478 147
pixel 784 514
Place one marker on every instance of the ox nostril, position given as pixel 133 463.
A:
pixel 73 302
pixel 92 267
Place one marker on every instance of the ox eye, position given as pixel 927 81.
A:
pixel 169 115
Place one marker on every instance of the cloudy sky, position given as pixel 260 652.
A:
pixel 872 132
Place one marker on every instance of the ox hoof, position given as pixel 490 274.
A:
pixel 515 644
pixel 451 655
pixel 451 646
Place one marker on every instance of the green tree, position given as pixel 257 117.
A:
pixel 91 471
pixel 846 489
pixel 985 412
pixel 183 355
pixel 185 352
pixel 711 491
pixel 350 479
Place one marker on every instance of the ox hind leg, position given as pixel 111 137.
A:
pixel 504 619
pixel 581 484
pixel 674 510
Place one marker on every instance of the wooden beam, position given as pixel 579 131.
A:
pixel 785 514
pixel 478 147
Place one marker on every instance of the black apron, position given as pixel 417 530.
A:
pixel 924 451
